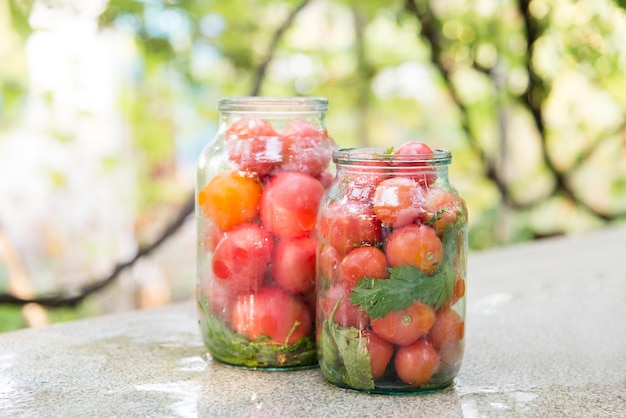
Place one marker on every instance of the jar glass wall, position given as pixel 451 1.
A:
pixel 392 244
pixel 259 184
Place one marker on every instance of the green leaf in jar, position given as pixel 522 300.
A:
pixel 233 348
pixel 344 356
pixel 406 284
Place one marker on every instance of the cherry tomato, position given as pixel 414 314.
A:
pixel 254 146
pixel 212 237
pixel 347 313
pixel 359 187
pixel 413 148
pixel 289 204
pixel 398 201
pixel 380 353
pixel 459 287
pixel 242 256
pixel 415 245
pixel 416 363
pixel 326 179
pixel 219 297
pixel 363 262
pixel 273 313
pixel 361 179
pixel 426 175
pixel 406 326
pixel 230 199
pixel 329 262
pixel 307 148
pixel 441 208
pixel 347 225
pixel 449 328
pixel 293 265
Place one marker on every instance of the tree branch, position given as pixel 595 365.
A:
pixel 533 99
pixel 73 298
pixel 262 68
pixel 431 33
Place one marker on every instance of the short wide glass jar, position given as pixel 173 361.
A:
pixel 259 184
pixel 391 272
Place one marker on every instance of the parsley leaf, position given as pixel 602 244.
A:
pixel 406 284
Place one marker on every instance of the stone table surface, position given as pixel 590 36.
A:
pixel 546 337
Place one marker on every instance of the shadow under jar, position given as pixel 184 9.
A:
pixel 259 183
pixel 392 245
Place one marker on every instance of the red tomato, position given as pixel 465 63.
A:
pixel 329 262
pixel 347 225
pixel 415 245
pixel 416 363
pixel 254 146
pixel 406 326
pixel 289 204
pixel 447 336
pixel 308 148
pixel 230 199
pixel 380 353
pixel 426 175
pixel 347 313
pixel 293 266
pixel 219 297
pixel 363 262
pixel 274 313
pixel 326 179
pixel 441 208
pixel 398 201
pixel 360 180
pixel 413 148
pixel 212 237
pixel 242 256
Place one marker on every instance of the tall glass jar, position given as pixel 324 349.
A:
pixel 259 184
pixel 392 235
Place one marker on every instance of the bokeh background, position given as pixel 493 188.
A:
pixel 105 105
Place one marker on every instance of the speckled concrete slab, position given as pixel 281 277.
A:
pixel 546 336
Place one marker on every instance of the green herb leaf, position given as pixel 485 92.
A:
pixel 389 150
pixel 233 348
pixel 437 216
pixel 406 284
pixel 344 357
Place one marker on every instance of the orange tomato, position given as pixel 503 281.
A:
pixel 448 329
pixel 446 336
pixel 416 245
pixel 407 326
pixel 230 199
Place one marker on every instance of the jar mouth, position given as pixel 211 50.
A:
pixel 368 156
pixel 263 104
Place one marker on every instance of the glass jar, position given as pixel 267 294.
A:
pixel 259 184
pixel 392 234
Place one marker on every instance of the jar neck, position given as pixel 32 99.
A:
pixel 377 161
pixel 279 110
pixel 273 105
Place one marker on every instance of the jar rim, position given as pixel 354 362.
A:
pixel 272 104
pixel 367 155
